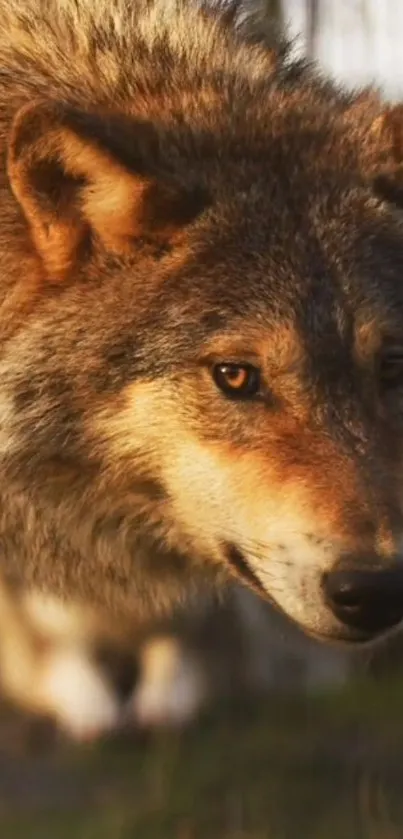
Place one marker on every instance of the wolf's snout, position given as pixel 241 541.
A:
pixel 367 601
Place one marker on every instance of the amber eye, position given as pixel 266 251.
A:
pixel 391 367
pixel 239 381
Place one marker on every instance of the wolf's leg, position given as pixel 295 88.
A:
pixel 46 665
pixel 172 686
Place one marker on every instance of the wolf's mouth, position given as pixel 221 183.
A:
pixel 347 633
pixel 240 568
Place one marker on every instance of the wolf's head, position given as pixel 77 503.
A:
pixel 208 313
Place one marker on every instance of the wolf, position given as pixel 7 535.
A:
pixel 201 367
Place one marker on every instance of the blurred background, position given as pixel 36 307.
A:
pixel 356 41
pixel 283 738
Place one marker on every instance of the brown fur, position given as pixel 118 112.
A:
pixel 174 197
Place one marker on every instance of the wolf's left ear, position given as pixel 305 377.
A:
pixel 83 180
pixel 386 137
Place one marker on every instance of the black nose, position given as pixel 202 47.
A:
pixel 367 601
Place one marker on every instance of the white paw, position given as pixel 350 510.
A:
pixel 171 689
pixel 75 693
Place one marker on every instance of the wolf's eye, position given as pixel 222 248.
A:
pixel 391 367
pixel 239 381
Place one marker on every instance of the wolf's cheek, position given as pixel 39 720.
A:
pixel 236 501
pixel 281 514
pixel 276 537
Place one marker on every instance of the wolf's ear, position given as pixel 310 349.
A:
pixel 386 137
pixel 83 180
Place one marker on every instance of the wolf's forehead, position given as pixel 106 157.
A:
pixel 258 303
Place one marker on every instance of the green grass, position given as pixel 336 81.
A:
pixel 324 768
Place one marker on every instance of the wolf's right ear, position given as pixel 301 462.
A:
pixel 85 180
pixel 386 140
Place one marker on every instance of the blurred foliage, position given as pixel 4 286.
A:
pixel 321 768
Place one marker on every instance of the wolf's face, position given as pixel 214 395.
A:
pixel 274 426
pixel 218 329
